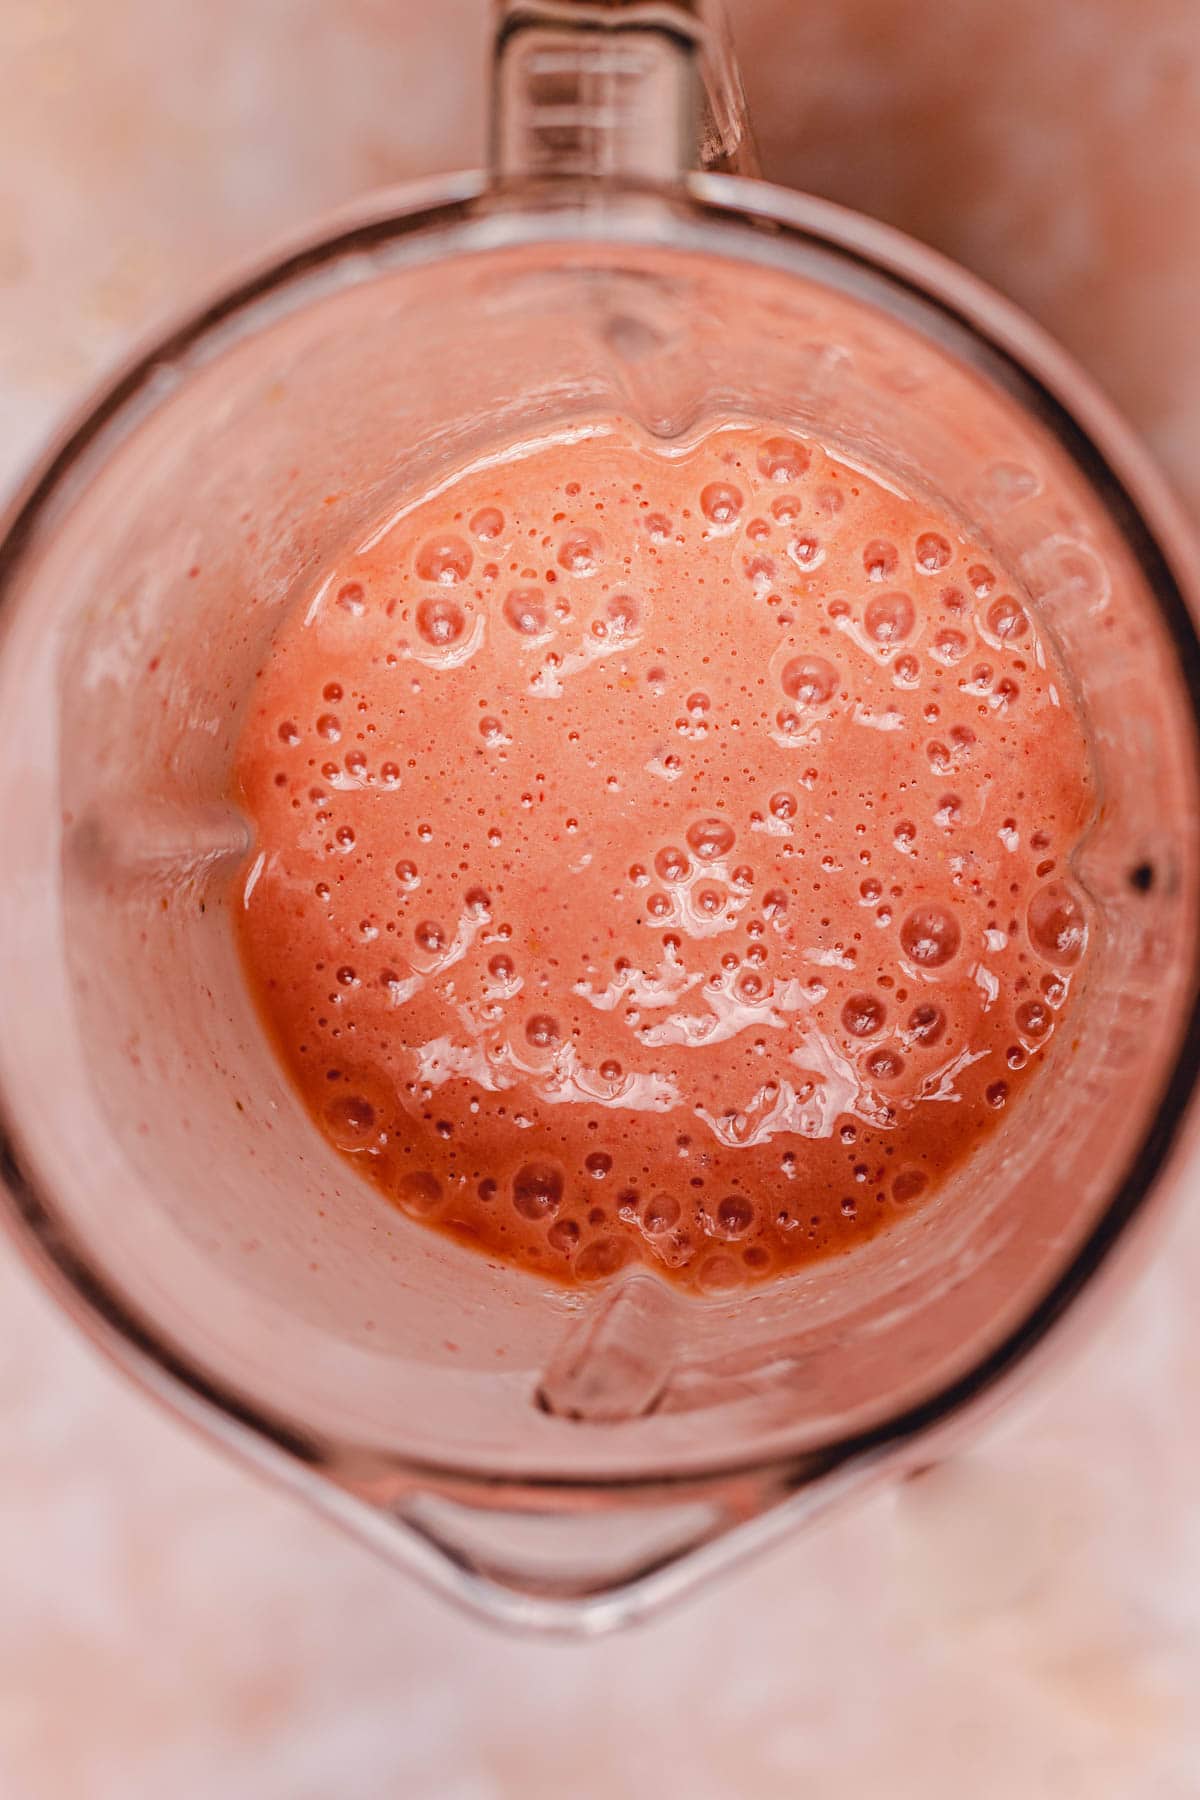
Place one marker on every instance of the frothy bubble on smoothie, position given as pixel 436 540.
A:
pixel 446 560
pixel 441 622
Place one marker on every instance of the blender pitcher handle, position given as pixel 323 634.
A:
pixel 632 90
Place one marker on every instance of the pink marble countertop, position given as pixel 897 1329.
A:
pixel 1025 1620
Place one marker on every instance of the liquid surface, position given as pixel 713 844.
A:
pixel 663 858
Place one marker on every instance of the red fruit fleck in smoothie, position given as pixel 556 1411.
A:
pixel 663 856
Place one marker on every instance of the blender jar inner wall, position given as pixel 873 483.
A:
pixel 150 1104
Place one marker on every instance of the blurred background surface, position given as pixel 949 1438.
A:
pixel 1024 1621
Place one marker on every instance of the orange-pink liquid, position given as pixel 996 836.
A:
pixel 663 857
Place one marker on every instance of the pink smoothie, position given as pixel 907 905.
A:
pixel 663 856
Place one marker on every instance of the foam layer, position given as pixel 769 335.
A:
pixel 663 858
